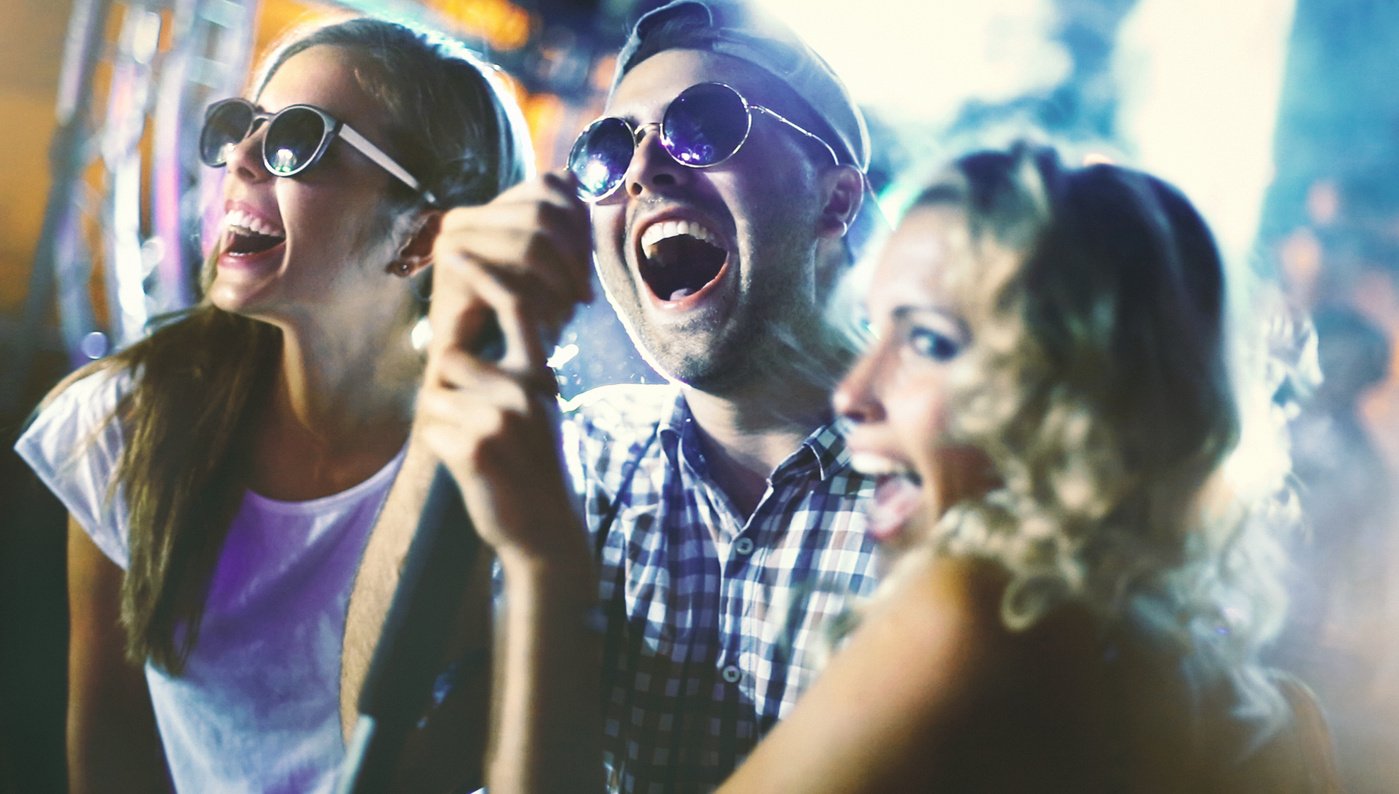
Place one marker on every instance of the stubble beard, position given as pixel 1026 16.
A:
pixel 775 337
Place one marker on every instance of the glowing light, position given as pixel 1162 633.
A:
pixel 95 345
pixel 421 335
pixel 503 24
pixel 562 355
pixel 921 61
pixel 1200 83
pixel 284 160
pixel 596 175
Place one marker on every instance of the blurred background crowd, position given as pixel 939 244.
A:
pixel 1278 116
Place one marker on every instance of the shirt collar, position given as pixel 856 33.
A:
pixel 825 448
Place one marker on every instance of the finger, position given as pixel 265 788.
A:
pixel 455 370
pixel 532 255
pixel 523 326
pixel 457 313
pixel 541 226
pixel 499 423
pixel 460 317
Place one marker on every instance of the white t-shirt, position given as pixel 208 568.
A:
pixel 257 708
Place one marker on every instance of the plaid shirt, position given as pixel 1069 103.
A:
pixel 720 620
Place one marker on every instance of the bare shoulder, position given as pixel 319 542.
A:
pixel 943 607
pixel 946 611
pixel 889 711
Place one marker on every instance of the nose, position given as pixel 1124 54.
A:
pixel 245 157
pixel 856 397
pixel 651 168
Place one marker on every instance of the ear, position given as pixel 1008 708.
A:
pixel 844 190
pixel 416 252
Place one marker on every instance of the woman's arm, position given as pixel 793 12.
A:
pixel 523 260
pixel 113 744
pixel 885 712
pixel 445 752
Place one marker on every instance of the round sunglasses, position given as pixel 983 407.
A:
pixel 703 126
pixel 296 139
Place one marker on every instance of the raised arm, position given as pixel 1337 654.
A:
pixel 446 750
pixel 495 427
pixel 524 259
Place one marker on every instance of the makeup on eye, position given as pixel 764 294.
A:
pixel 928 332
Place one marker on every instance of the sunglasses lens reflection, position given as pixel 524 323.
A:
pixel 705 125
pixel 600 157
pixel 226 125
pixel 292 140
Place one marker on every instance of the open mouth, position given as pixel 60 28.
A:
pixel 247 234
pixel 898 495
pixel 680 258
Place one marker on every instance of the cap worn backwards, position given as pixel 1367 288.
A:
pixel 733 28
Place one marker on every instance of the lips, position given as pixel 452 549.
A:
pixel 247 233
pixel 897 499
pixel 680 258
pixel 898 495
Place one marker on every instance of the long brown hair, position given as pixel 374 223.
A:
pixel 201 381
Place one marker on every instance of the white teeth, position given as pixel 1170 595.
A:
pixel 875 465
pixel 665 230
pixel 241 221
pixel 680 293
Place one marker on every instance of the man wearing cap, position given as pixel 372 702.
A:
pixel 726 194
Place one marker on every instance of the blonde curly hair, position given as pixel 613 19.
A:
pixel 1099 383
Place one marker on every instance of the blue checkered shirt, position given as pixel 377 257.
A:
pixel 717 621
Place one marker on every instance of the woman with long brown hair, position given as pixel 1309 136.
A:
pixel 222 474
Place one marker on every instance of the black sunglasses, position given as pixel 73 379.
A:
pixel 296 139
pixel 704 125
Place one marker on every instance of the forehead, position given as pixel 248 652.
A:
pixel 650 85
pixel 324 76
pixel 924 260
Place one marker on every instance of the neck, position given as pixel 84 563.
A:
pixel 745 437
pixel 339 411
pixel 334 387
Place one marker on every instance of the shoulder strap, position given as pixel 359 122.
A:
pixel 600 541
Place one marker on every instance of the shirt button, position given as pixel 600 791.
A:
pixel 744 546
pixel 731 674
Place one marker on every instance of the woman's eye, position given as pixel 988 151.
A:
pixel 930 344
pixel 865 326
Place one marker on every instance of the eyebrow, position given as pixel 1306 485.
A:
pixel 905 311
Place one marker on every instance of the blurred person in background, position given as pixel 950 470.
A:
pixel 1340 579
pixel 1343 265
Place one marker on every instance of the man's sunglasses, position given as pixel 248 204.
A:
pixel 704 125
pixel 296 139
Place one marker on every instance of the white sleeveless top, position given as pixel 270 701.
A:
pixel 257 708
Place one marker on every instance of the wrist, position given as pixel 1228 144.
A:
pixel 560 570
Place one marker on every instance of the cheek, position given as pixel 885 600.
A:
pixel 920 421
pixel 609 242
pixel 961 473
pixel 338 220
pixel 920 410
